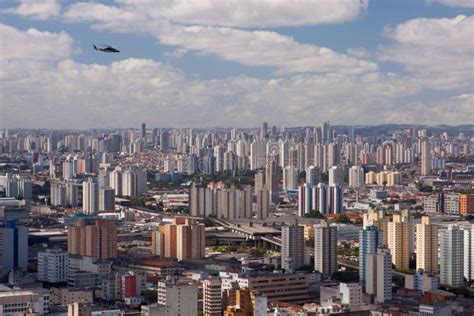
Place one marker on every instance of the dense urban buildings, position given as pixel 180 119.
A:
pixel 232 221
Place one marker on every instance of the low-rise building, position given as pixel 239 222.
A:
pixel 18 302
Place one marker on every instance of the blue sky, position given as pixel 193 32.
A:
pixel 403 77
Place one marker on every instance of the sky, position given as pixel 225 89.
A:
pixel 235 63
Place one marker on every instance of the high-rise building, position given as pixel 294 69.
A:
pixel 272 180
pixel 290 178
pixel 427 246
pixel 466 204
pixel 320 198
pixel 335 199
pixel 158 242
pixel 336 176
pixel 53 265
pixel 165 140
pixel 305 196
pixel 182 239
pixel 212 297
pixel 400 238
pixel 134 180
pixel 90 196
pixel 292 246
pixel 14 246
pixel 144 132
pixel 97 240
pixel 178 297
pixel 262 203
pixel 451 256
pixel 469 253
pixel 313 175
pixel 425 157
pixel 106 199
pixel 325 245
pixel 370 239
pixel 356 177
pixel 379 275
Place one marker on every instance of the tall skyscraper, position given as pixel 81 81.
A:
pixel 14 246
pixel 165 140
pixel 356 177
pixel 262 203
pixel 451 256
pixel 98 240
pixel 370 239
pixel 292 246
pixel 144 132
pixel 313 175
pixel 469 253
pixel 90 196
pixel 427 246
pixel 290 178
pixel 320 198
pixel 325 245
pixel 335 199
pixel 272 180
pixel 400 236
pixel 336 176
pixel 379 275
pixel 425 157
pixel 305 203
pixel 106 199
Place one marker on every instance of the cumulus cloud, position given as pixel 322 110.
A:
pixel 252 48
pixel 33 44
pixel 36 9
pixel 68 94
pixel 454 3
pixel 253 13
pixel 439 51
pixel 64 93
pixel 453 111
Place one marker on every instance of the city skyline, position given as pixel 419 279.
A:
pixel 206 64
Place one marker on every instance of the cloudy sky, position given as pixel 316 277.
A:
pixel 207 63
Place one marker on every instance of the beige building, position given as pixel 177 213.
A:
pixel 427 246
pixel 291 288
pixel 400 238
pixel 79 309
pixel 66 296
pixel 377 219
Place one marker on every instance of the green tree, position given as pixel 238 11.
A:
pixel 341 218
pixel 313 214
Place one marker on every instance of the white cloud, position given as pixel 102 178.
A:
pixel 452 111
pixel 36 9
pixel 253 13
pixel 59 92
pixel 438 51
pixel 252 48
pixel 454 3
pixel 33 44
